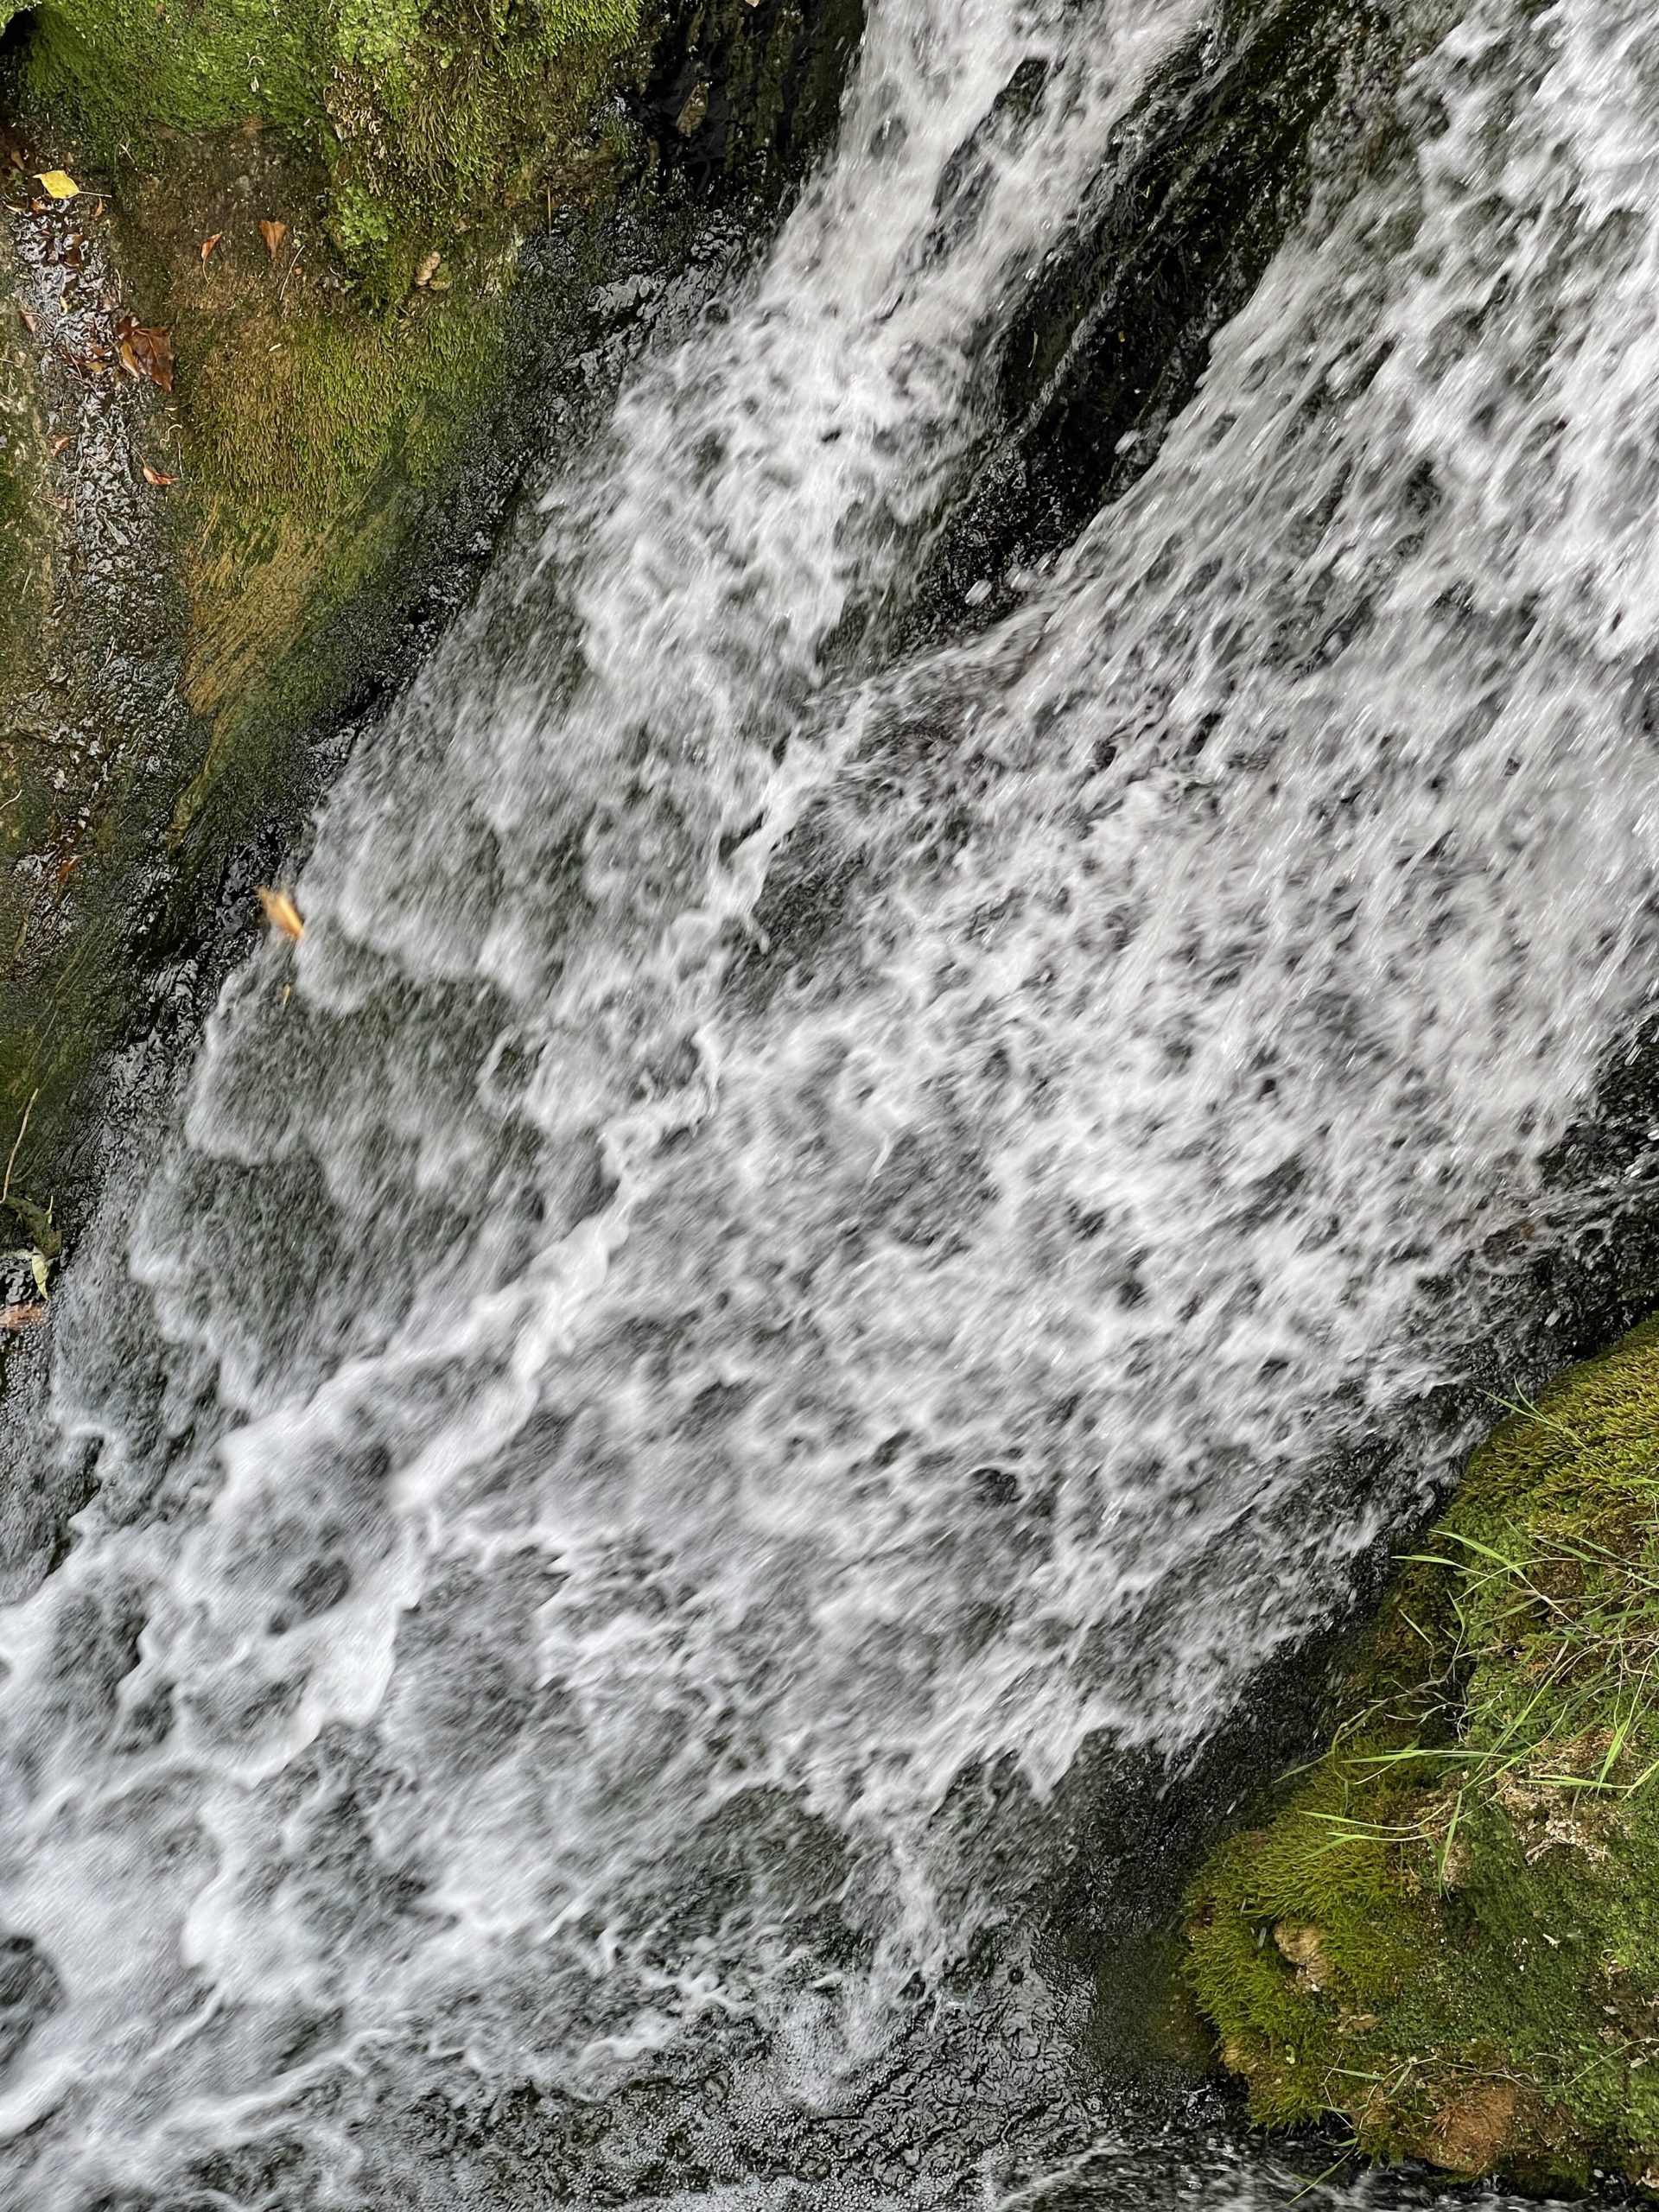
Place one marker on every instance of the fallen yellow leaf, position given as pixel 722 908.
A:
pixel 59 183
pixel 281 912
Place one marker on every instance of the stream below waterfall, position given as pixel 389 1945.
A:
pixel 712 1432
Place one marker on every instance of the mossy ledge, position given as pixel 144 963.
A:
pixel 369 233
pixel 1449 1934
pixel 416 111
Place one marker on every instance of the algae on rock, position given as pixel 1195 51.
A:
pixel 417 111
pixel 1449 1933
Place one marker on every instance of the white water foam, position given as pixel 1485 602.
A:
pixel 633 1380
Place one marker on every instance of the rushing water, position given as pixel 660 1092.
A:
pixel 814 1263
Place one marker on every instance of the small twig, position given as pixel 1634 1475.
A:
pixel 1318 2180
pixel 22 1128
pixel 293 263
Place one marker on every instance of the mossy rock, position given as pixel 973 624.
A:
pixel 416 111
pixel 1449 1934
pixel 310 428
pixel 199 573
pixel 320 212
pixel 316 212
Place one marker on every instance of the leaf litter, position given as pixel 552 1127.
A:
pixel 146 351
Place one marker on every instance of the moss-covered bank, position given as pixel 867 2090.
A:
pixel 415 111
pixel 1449 1933
pixel 264 381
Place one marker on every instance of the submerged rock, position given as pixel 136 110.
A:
pixel 1449 1934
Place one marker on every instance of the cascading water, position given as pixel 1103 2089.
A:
pixel 804 1244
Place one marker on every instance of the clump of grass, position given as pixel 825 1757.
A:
pixel 1450 1931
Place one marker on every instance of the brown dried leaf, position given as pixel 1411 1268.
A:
pixel 155 476
pixel 281 912
pixel 207 244
pixel 273 235
pixel 146 351
pixel 28 314
pixel 13 1318
pixel 63 443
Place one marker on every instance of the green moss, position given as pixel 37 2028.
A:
pixel 313 454
pixel 1449 1933
pixel 341 416
pixel 312 439
pixel 128 69
pixel 24 539
pixel 417 110
pixel 309 430
pixel 340 400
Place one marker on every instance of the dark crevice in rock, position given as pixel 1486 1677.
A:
pixel 1202 183
pixel 738 92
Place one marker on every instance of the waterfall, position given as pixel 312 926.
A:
pixel 811 1239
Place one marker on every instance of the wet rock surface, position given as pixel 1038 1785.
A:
pixel 90 704
pixel 1266 110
